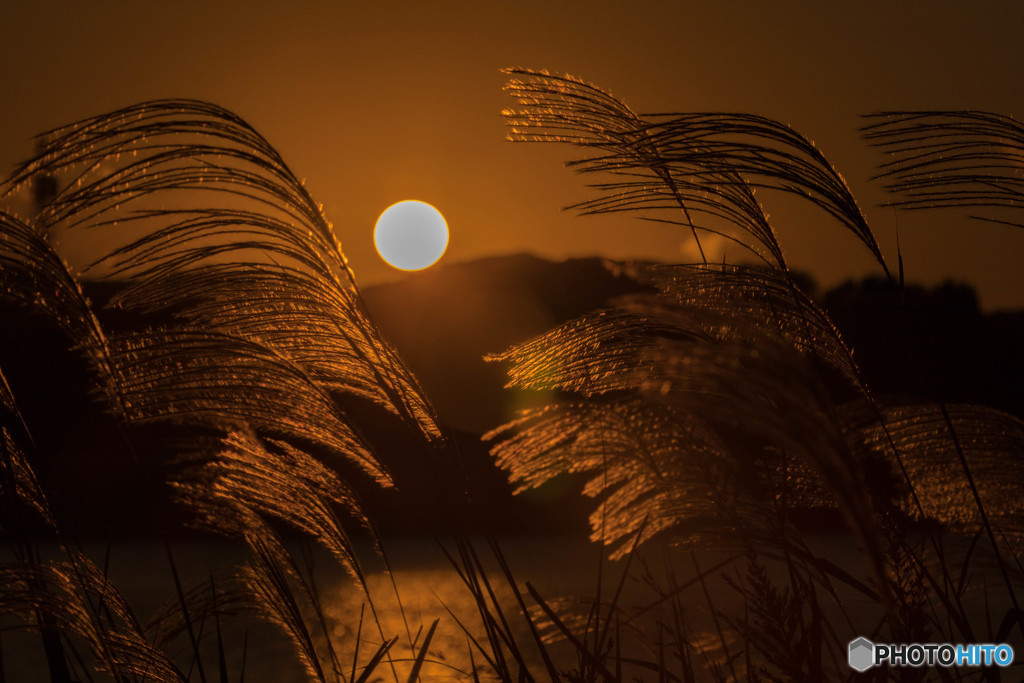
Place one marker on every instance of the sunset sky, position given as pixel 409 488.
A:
pixel 375 103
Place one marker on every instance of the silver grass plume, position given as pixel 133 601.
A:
pixel 654 468
pixel 693 390
pixel 247 477
pixel 279 593
pixel 731 300
pixel 209 378
pixel 931 443
pixel 176 186
pixel 702 165
pixel 942 159
pixel 18 483
pixel 76 597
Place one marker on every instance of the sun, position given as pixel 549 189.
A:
pixel 411 235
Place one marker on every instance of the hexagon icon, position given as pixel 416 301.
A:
pixel 862 654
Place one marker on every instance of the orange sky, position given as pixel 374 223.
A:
pixel 377 104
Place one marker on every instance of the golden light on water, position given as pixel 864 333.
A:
pixel 411 235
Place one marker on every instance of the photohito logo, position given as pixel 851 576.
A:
pixel 864 654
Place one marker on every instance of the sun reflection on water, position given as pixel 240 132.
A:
pixel 426 595
pixel 428 590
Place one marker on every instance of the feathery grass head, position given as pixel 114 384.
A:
pixel 689 392
pixel 943 159
pixel 181 197
pixel 683 169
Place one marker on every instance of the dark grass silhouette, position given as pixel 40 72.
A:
pixel 723 409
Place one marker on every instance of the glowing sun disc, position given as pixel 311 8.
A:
pixel 411 235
